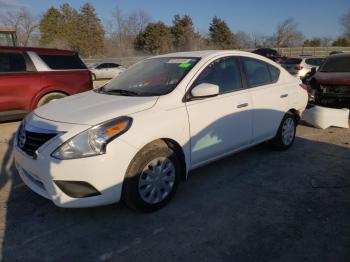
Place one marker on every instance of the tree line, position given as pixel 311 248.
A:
pixel 128 34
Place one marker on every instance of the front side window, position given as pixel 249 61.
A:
pixel 12 62
pixel 257 72
pixel 224 72
pixel 151 77
pixel 63 62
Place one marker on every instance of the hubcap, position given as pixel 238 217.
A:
pixel 288 130
pixel 157 180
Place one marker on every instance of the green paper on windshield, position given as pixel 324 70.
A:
pixel 184 65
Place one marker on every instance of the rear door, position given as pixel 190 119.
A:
pixel 270 98
pixel 18 82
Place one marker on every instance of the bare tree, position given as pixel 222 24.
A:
pixel 244 40
pixel 123 29
pixel 345 23
pixel 24 23
pixel 287 34
pixel 326 41
pixel 260 40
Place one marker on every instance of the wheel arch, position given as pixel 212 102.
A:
pixel 39 96
pixel 175 146
pixel 296 113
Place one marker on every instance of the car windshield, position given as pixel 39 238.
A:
pixel 336 64
pixel 151 77
pixel 92 65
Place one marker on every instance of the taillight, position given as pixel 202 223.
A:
pixel 298 68
pixel 305 87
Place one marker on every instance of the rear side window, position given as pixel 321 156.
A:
pixel 63 62
pixel 292 61
pixel 224 72
pixel 111 65
pixel 12 62
pixel 274 73
pixel 257 72
pixel 314 61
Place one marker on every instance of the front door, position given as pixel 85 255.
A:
pixel 223 123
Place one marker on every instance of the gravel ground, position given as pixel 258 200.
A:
pixel 258 205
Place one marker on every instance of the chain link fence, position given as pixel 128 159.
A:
pixel 124 61
pixel 290 52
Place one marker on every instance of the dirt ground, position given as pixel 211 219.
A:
pixel 258 205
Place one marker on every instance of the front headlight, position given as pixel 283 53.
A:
pixel 93 141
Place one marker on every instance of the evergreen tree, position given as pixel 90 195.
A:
pixel 183 33
pixel 70 23
pixel 91 32
pixel 50 26
pixel 315 42
pixel 341 41
pixel 220 34
pixel 155 39
pixel 66 27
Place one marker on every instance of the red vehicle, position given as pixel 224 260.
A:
pixel 32 77
pixel 330 85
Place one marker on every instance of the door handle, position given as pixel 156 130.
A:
pixel 284 95
pixel 242 105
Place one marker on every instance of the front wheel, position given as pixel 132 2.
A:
pixel 286 133
pixel 152 178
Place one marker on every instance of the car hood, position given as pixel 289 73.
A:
pixel 91 108
pixel 338 78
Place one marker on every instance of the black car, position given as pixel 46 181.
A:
pixel 269 53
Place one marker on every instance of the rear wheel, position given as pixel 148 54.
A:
pixel 50 97
pixel 286 133
pixel 152 178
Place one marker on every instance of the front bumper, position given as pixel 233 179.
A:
pixel 329 98
pixel 105 173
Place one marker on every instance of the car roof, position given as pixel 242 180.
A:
pixel 40 51
pixel 341 55
pixel 304 57
pixel 205 53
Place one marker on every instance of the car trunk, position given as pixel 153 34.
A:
pixel 292 65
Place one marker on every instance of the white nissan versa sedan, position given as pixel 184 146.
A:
pixel 134 138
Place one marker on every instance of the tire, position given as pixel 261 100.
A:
pixel 50 97
pixel 146 191
pixel 285 136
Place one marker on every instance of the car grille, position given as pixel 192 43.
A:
pixel 29 142
pixel 334 89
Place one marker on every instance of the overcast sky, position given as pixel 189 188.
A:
pixel 314 17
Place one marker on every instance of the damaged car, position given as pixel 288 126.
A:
pixel 330 85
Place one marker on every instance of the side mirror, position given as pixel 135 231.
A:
pixel 205 90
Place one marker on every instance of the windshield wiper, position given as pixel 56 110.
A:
pixel 122 92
